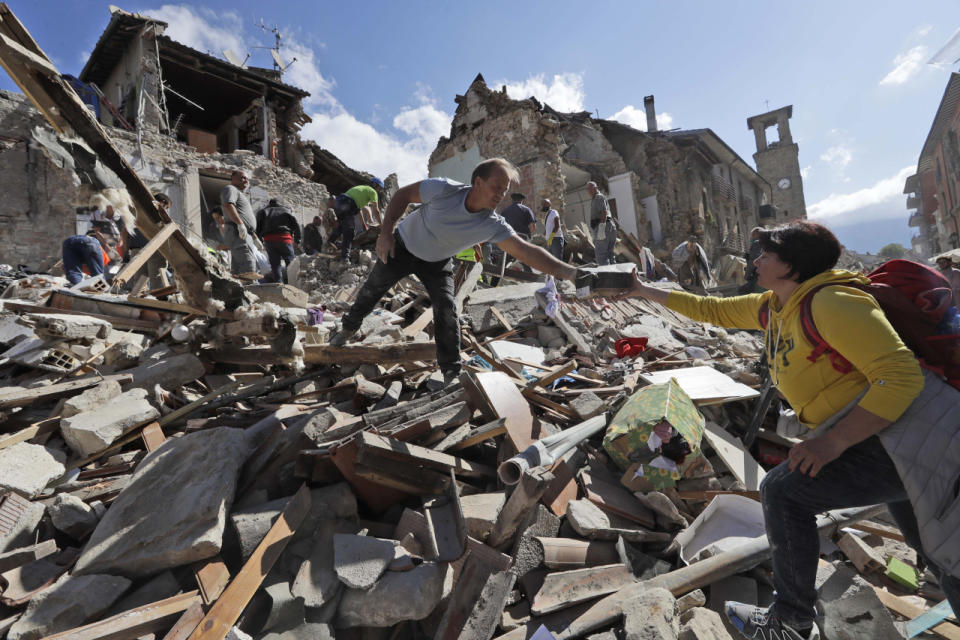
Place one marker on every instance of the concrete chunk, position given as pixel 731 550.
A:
pixel 587 405
pixel 91 399
pixel 590 521
pixel 27 468
pixel 69 603
pixel 397 596
pixel 174 509
pixel 93 431
pixel 703 624
pixel 72 516
pixel 70 327
pixel 651 616
pixel 480 512
pixel 26 518
pixel 360 560
pixel 170 372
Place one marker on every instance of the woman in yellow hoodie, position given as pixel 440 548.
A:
pixel 844 464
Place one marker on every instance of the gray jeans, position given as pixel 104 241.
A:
pixel 604 246
pixel 242 257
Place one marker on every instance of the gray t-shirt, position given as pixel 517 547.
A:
pixel 240 200
pixel 599 210
pixel 443 227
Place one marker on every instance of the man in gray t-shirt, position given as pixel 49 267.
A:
pixel 452 218
pixel 602 227
pixel 239 223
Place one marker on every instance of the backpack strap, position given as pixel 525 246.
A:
pixel 812 334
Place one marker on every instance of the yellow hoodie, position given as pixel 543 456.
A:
pixel 849 320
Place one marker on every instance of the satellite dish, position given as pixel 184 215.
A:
pixel 234 59
pixel 949 54
pixel 277 60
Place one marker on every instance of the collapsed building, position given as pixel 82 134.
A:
pixel 183 118
pixel 663 186
pixel 932 192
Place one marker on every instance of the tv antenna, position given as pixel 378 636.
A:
pixel 278 64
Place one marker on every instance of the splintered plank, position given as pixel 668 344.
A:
pixel 227 609
pixel 419 324
pixel 506 401
pixel 735 456
pixel 134 623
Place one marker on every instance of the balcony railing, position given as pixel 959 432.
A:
pixel 723 189
pixel 916 219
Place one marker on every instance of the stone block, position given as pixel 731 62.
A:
pixel 851 608
pixel 703 624
pixel 27 468
pixel 306 631
pixel 90 399
pixel 587 405
pixel 397 596
pixel 360 560
pixel 72 516
pixel 547 334
pixel 480 512
pixel 695 598
pixel 170 372
pixel 70 327
pixel 590 521
pixel 652 615
pixel 161 586
pixel 67 604
pixel 123 355
pixel 95 430
pixel 174 509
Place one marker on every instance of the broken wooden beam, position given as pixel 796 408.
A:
pixel 134 623
pixel 228 607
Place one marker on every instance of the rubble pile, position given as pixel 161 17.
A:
pixel 325 275
pixel 167 469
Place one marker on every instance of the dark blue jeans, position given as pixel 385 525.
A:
pixel 556 248
pixel 79 252
pixel 863 475
pixel 278 252
pixel 437 277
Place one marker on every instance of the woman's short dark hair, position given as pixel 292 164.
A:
pixel 809 248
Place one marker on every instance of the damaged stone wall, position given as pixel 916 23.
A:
pixel 490 124
pixel 37 210
pixel 39 207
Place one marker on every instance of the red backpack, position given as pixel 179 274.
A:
pixel 918 303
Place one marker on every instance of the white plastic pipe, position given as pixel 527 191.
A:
pixel 548 450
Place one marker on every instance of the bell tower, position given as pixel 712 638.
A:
pixel 778 162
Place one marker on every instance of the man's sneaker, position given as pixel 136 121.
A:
pixel 756 623
pixel 340 337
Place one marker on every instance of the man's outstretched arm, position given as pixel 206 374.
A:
pixel 407 195
pixel 537 258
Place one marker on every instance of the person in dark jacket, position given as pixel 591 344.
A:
pixel 279 231
pixel 312 238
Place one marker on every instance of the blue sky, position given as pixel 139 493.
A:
pixel 383 81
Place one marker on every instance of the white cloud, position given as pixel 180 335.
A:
pixel 905 66
pixel 924 30
pixel 305 73
pixel 849 208
pixel 636 117
pixel 564 93
pixel 805 172
pixel 202 29
pixel 838 157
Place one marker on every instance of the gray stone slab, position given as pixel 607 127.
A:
pixel 360 560
pixel 590 521
pixel 27 468
pixel 90 399
pixel 174 509
pixel 161 586
pixel 93 431
pixel 527 551
pixel 170 372
pixel 480 512
pixel 70 327
pixel 72 516
pixel 69 603
pixel 397 596
pixel 306 631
